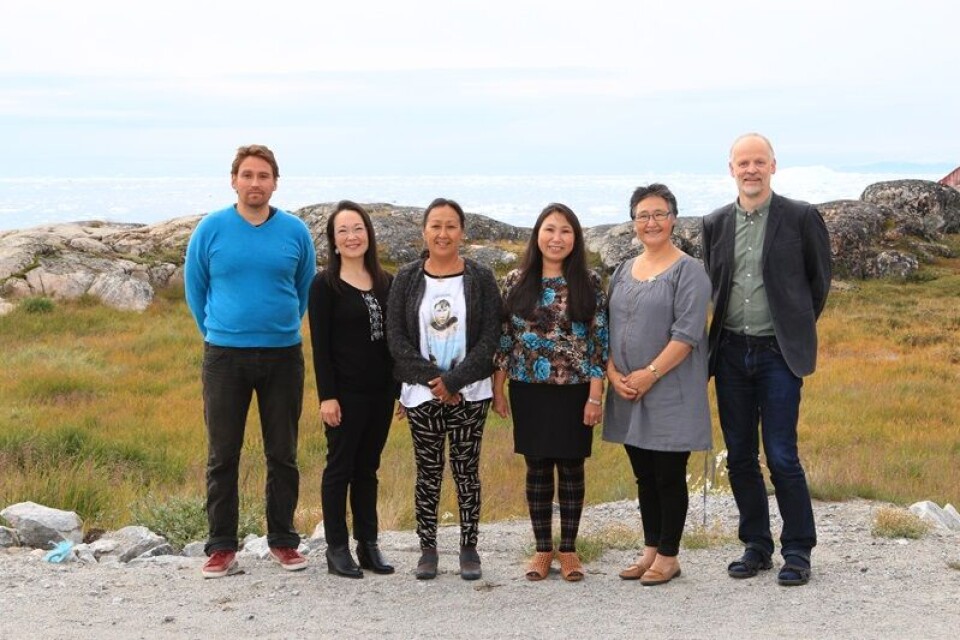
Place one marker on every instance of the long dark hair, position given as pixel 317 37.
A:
pixel 381 281
pixel 525 295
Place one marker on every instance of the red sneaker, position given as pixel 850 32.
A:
pixel 289 558
pixel 220 563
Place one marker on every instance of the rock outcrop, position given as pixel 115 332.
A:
pixel 889 231
pixel 918 207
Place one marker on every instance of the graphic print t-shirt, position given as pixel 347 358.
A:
pixel 441 322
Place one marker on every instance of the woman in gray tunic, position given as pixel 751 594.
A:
pixel 657 400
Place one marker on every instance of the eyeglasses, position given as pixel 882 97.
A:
pixel 644 218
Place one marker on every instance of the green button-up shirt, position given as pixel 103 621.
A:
pixel 747 309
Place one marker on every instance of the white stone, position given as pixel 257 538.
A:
pixel 256 548
pixel 932 513
pixel 194 550
pixel 40 526
pixel 6 307
pixel 952 516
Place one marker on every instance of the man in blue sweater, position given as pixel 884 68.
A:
pixel 247 276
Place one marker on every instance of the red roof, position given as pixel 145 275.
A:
pixel 952 179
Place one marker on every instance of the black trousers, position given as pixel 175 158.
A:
pixel 230 378
pixel 662 490
pixel 353 458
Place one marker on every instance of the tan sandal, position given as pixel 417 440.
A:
pixel 539 567
pixel 570 567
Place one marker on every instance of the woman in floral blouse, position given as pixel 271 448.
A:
pixel 554 351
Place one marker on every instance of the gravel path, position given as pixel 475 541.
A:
pixel 862 588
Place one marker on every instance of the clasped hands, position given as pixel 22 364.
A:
pixel 632 386
pixel 440 392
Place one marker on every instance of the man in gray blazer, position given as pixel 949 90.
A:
pixel 768 258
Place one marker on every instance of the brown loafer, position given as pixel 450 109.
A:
pixel 633 572
pixel 539 567
pixel 653 578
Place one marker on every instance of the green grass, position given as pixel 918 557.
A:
pixel 182 519
pixel 100 409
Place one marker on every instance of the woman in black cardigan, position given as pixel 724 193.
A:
pixel 443 325
pixel 348 303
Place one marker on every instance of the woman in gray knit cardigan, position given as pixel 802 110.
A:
pixel 443 324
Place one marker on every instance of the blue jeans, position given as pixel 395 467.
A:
pixel 230 378
pixel 755 388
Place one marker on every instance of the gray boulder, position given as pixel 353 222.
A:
pixel 194 550
pixel 41 527
pixel 854 228
pixel 131 542
pixel 920 207
pixel 892 264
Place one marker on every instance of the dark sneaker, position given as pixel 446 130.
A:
pixel 289 558
pixel 747 565
pixel 220 563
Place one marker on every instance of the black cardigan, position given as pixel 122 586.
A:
pixel 483 326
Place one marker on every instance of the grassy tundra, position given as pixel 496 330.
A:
pixel 100 412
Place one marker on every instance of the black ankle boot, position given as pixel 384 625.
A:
pixel 340 562
pixel 368 553
pixel 470 563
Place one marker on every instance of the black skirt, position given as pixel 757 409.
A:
pixel 548 420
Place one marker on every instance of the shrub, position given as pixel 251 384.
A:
pixel 890 522
pixel 37 304
pixel 182 520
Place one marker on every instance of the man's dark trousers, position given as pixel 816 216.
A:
pixel 230 378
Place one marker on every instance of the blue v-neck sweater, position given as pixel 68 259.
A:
pixel 248 286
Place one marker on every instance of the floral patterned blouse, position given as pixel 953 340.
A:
pixel 549 348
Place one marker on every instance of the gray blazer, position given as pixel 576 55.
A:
pixel 483 326
pixel 796 275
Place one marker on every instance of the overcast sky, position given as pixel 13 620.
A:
pixel 106 88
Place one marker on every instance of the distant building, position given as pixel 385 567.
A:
pixel 952 179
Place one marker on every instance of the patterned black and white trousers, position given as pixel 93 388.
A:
pixel 431 425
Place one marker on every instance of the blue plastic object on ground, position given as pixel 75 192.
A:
pixel 59 553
